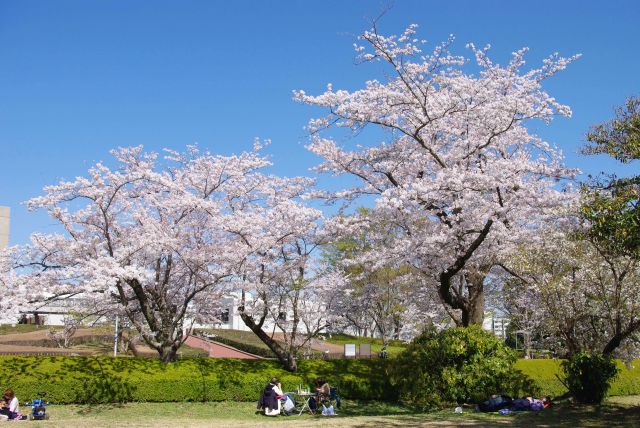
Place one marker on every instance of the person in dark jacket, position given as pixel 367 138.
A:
pixel 270 398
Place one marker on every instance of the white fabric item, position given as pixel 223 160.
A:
pixel 13 404
pixel 328 411
pixel 277 390
pixel 288 404
pixel 272 412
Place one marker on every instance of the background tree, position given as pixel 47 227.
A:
pixel 379 300
pixel 150 239
pixel 290 294
pixel 457 172
pixel 612 206
pixel 281 284
pixel 589 299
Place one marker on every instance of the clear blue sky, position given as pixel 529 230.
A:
pixel 78 78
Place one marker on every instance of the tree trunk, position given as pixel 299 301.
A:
pixel 613 343
pixel 473 312
pixel 287 359
pixel 471 305
pixel 168 352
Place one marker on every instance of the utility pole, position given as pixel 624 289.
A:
pixel 115 340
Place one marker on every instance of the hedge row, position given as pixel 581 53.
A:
pixel 107 379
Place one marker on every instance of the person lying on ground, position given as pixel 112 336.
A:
pixel 500 402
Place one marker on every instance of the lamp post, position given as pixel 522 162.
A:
pixel 115 340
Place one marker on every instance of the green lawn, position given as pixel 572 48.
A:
pixel 395 347
pixel 621 412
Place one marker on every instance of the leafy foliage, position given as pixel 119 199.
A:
pixel 612 207
pixel 456 365
pixel 589 376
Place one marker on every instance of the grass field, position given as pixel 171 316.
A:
pixel 240 336
pixel 395 347
pixel 619 412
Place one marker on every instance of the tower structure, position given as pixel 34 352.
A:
pixel 5 215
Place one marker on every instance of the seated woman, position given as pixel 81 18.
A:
pixel 322 391
pixel 10 405
pixel 270 398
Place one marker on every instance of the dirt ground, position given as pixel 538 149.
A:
pixel 14 348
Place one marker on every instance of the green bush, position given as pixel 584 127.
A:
pixel 589 376
pixel 107 379
pixel 455 366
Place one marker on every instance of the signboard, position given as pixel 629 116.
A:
pixel 349 350
pixel 365 350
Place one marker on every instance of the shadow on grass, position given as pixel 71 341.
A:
pixel 98 409
pixel 351 408
pixel 569 416
pixel 563 415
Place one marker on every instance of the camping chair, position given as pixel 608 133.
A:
pixel 334 397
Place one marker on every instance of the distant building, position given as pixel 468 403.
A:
pixel 496 324
pixel 5 215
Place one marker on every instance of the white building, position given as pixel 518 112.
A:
pixel 496 324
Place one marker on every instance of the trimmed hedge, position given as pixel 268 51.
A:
pixel 107 379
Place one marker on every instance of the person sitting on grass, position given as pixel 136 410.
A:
pixel 270 398
pixel 10 405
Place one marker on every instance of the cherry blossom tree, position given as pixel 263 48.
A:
pixel 588 298
pixel 449 161
pixel 380 300
pixel 62 337
pixel 13 296
pixel 155 239
pixel 291 291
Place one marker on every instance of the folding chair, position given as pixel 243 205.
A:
pixel 334 397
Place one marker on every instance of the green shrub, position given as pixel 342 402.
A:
pixel 107 379
pixel 589 376
pixel 454 366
